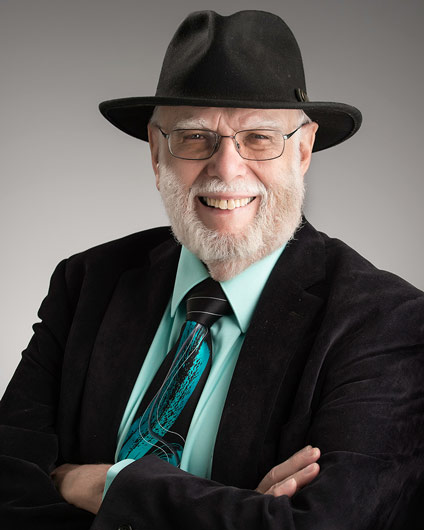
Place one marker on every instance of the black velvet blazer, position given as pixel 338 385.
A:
pixel 333 357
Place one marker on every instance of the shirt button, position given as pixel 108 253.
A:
pixel 125 527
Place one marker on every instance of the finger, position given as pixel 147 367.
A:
pixel 287 487
pixel 299 480
pixel 286 469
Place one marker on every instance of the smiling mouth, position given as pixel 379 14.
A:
pixel 226 204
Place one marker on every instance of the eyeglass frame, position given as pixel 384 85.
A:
pixel 219 137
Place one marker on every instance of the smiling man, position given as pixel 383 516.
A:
pixel 240 370
pixel 229 210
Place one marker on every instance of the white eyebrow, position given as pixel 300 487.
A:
pixel 191 123
pixel 264 124
pixel 200 123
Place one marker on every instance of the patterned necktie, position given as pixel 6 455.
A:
pixel 165 413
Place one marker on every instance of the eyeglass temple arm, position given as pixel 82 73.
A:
pixel 287 136
pixel 165 135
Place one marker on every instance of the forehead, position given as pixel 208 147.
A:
pixel 234 118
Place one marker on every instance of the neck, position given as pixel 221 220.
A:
pixel 223 270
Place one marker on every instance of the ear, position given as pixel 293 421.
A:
pixel 306 145
pixel 154 150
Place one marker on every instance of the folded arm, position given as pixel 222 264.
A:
pixel 366 423
pixel 83 485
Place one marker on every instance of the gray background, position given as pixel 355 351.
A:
pixel 69 180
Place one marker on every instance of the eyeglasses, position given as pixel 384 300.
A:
pixel 252 144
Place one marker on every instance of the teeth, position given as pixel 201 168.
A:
pixel 229 204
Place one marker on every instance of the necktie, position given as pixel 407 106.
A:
pixel 165 413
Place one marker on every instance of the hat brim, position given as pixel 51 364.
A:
pixel 337 121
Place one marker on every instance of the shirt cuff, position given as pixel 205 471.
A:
pixel 113 471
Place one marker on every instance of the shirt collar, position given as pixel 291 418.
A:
pixel 190 272
pixel 242 291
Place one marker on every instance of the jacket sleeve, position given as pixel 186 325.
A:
pixel 29 447
pixel 368 424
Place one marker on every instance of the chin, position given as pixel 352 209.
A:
pixel 269 230
pixel 278 215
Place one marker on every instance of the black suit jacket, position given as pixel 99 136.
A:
pixel 333 357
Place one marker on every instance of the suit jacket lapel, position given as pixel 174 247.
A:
pixel 272 355
pixel 124 338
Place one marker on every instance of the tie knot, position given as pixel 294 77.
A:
pixel 207 302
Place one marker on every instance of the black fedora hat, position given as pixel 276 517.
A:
pixel 249 60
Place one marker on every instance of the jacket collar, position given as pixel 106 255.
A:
pixel 123 340
pixel 272 354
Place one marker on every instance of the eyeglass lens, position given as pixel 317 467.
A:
pixel 197 144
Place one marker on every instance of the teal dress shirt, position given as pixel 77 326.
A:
pixel 228 333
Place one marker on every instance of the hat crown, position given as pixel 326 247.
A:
pixel 250 55
pixel 246 60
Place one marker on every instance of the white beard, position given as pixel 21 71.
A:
pixel 226 254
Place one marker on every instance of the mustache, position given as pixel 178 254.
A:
pixel 215 185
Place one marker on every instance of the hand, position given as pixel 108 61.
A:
pixel 292 474
pixel 81 486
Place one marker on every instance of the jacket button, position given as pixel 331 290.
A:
pixel 125 527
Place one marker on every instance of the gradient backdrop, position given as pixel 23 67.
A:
pixel 69 180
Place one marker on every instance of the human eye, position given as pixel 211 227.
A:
pixel 191 136
pixel 258 137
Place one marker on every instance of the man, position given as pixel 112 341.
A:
pixel 318 357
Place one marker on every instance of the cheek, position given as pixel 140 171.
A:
pixel 271 174
pixel 186 172
pixel 276 171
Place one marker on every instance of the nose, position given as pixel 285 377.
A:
pixel 226 163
